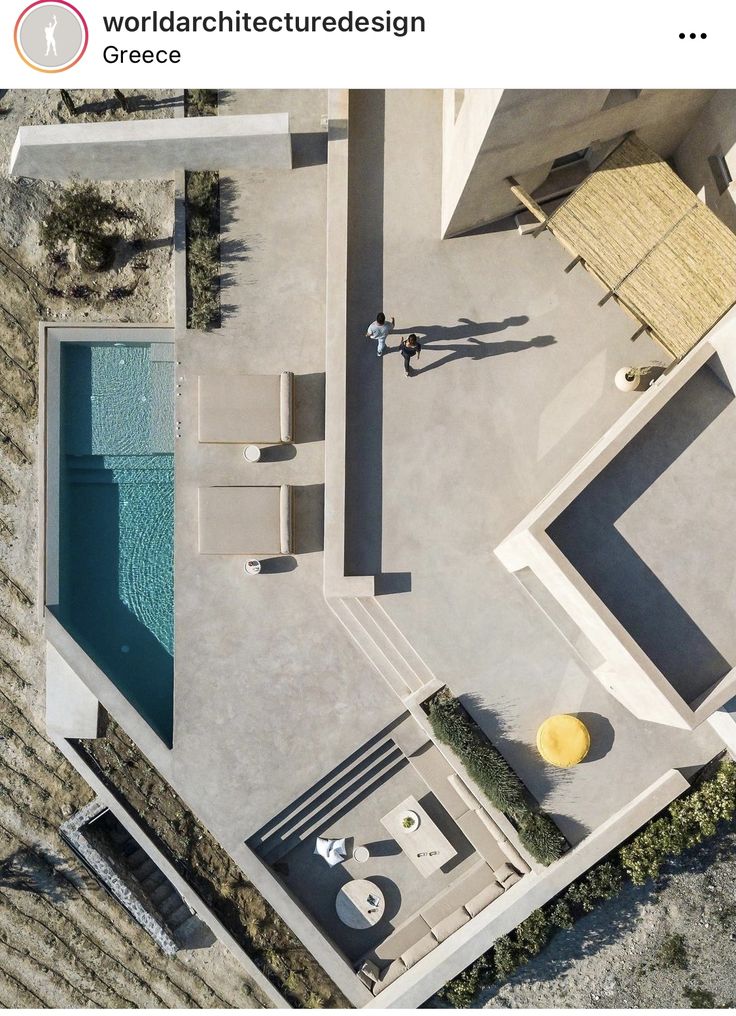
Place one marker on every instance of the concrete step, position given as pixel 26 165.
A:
pixel 161 892
pixel 169 904
pixel 343 782
pixel 180 916
pixel 153 881
pixel 345 611
pixel 143 870
pixel 352 769
pixel 413 666
pixel 328 814
pixel 119 477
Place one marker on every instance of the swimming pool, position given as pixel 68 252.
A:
pixel 116 522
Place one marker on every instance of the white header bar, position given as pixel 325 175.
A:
pixel 461 43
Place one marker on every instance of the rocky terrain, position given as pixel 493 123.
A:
pixel 668 945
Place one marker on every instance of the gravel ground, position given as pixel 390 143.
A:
pixel 667 945
pixel 64 943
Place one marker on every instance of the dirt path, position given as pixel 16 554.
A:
pixel 63 941
pixel 671 945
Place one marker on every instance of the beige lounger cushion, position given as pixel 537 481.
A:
pixel 464 889
pixel 482 838
pixel 507 875
pixel 245 408
pixel 419 950
pixel 450 924
pixel 389 975
pixel 463 791
pixel 402 939
pixel 245 520
pixel 483 898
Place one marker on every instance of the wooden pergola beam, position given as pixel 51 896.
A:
pixel 527 200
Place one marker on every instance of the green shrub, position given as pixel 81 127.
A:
pixel 541 837
pixel 600 884
pixel 686 823
pixel 534 933
pixel 83 217
pixel 461 991
pixel 203 249
pixel 560 915
pixel 201 102
pixel 485 765
pixel 507 957
pixel 673 952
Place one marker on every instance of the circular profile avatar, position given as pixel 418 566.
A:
pixel 51 36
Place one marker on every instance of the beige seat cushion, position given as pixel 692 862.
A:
pixel 505 873
pixel 402 939
pixel 419 950
pixel 450 924
pixel 460 892
pixel 484 897
pixel 482 838
pixel 435 770
pixel 245 520
pixel 389 975
pixel 463 791
pixel 245 408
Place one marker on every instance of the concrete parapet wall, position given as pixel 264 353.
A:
pixel 152 149
pixel 626 671
pixel 336 583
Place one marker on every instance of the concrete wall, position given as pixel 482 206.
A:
pixel 150 149
pixel 713 132
pixel 495 133
pixel 625 670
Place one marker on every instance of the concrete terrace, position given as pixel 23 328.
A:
pixel 270 690
pixel 515 384
pixel 652 539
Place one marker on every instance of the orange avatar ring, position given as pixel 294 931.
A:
pixel 51 36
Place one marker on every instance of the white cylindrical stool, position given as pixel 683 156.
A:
pixel 252 567
pixel 252 453
pixel 361 854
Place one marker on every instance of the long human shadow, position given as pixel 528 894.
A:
pixel 477 350
pixel 464 329
pixel 586 534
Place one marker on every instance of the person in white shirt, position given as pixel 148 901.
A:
pixel 378 331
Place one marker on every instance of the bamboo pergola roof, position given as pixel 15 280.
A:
pixel 652 243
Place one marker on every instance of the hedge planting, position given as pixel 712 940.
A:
pixel 485 765
pixel 203 248
pixel 685 823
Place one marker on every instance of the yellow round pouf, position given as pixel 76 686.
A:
pixel 563 740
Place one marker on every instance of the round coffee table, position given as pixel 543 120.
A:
pixel 563 740
pixel 361 854
pixel 360 904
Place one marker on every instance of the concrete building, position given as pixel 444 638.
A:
pixel 448 529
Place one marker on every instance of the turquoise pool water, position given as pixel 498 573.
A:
pixel 116 526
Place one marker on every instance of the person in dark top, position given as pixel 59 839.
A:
pixel 410 347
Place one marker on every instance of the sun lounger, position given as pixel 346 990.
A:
pixel 245 520
pixel 246 408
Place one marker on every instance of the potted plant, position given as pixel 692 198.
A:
pixel 409 821
pixel 637 379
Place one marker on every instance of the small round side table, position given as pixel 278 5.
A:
pixel 252 567
pixel 361 854
pixel 252 453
